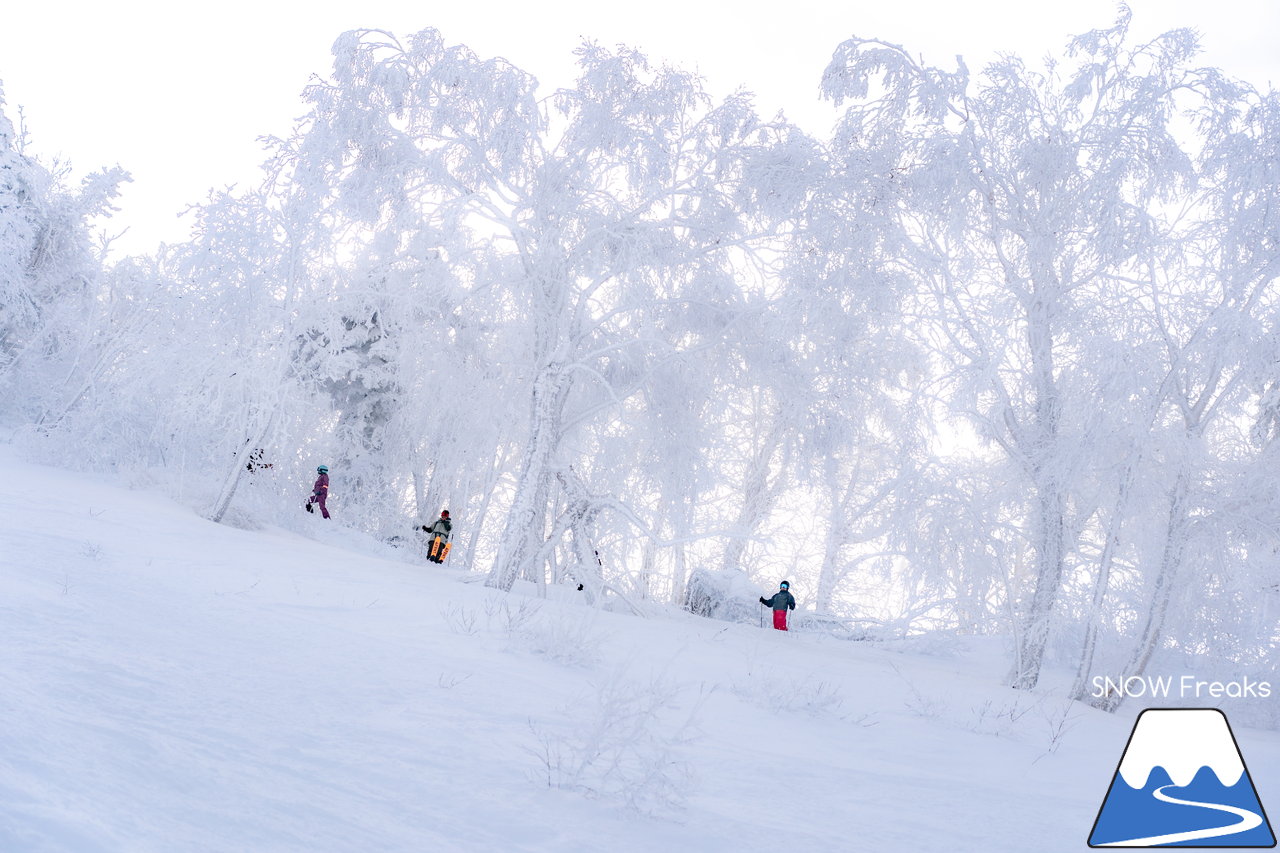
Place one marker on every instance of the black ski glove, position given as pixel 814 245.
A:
pixel 762 601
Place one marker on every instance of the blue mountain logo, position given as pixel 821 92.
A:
pixel 1182 782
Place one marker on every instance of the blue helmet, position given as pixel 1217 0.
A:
pixel 323 469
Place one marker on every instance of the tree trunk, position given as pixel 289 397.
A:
pixel 758 498
pixel 680 518
pixel 588 566
pixel 527 518
pixel 477 524
pixel 1170 564
pixel 419 490
pixel 1048 528
pixel 583 509
pixel 1049 560
pixel 534 570
pixel 1080 689
pixel 648 567
pixel 238 467
pixel 837 536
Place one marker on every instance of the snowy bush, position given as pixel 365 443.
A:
pixel 830 625
pixel 726 594
pixel 564 637
pixel 1000 719
pixel 461 620
pixel 627 743
pixel 1049 725
pixel 512 619
pixel 918 702
pixel 791 693
pixel 1059 722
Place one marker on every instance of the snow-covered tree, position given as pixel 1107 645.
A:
pixel 49 268
pixel 1026 190
pixel 628 206
pixel 1213 314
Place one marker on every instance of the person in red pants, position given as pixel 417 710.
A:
pixel 320 491
pixel 781 602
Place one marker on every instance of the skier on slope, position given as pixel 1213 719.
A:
pixel 320 491
pixel 781 602
pixel 438 532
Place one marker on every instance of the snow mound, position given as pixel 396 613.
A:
pixel 726 594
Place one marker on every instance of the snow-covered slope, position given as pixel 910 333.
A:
pixel 167 684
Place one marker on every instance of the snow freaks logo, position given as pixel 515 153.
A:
pixel 1181 782
pixel 1188 687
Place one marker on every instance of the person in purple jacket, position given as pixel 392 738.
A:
pixel 320 491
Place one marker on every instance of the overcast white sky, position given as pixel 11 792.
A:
pixel 177 93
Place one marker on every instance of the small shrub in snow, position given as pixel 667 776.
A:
pixel 627 744
pixel 830 625
pixel 461 620
pixel 566 638
pixel 493 604
pixel 917 702
pixel 791 693
pixel 1060 722
pixel 512 619
pixel 999 718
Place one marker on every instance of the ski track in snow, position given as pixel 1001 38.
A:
pixel 167 684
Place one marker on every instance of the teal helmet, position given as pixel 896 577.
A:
pixel 323 469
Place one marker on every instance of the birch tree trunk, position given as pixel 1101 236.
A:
pixel 1080 688
pixel 527 519
pixel 682 519
pixel 759 495
pixel 1048 526
pixel 837 537
pixel 1171 559
pixel 238 467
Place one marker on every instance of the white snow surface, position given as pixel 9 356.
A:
pixel 1181 741
pixel 168 684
